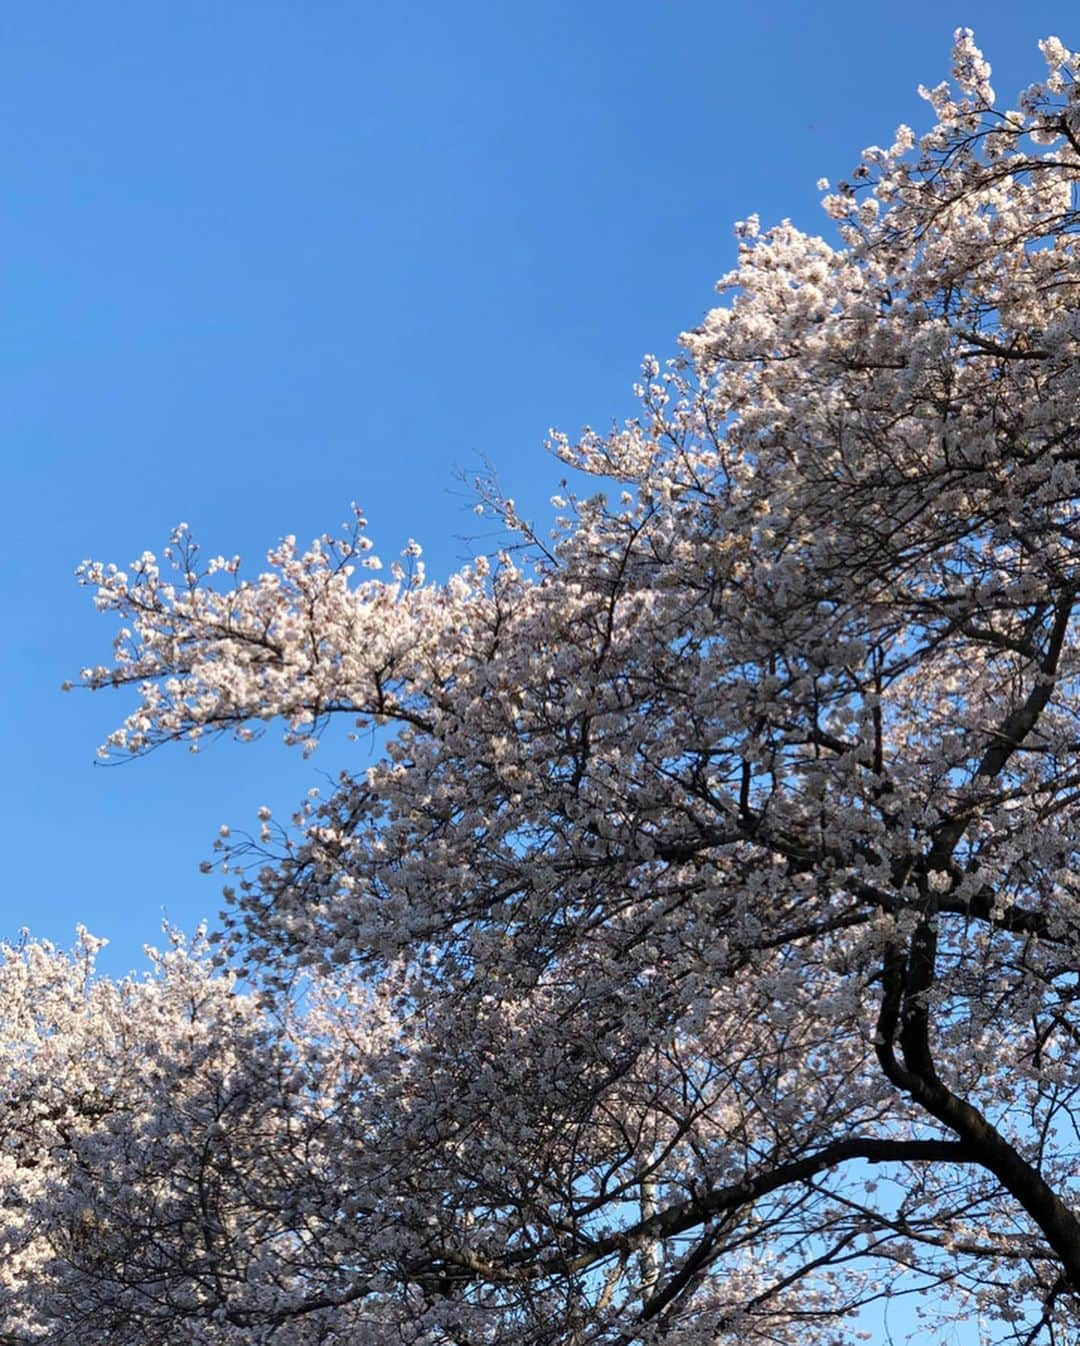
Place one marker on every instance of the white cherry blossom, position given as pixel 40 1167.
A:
pixel 698 961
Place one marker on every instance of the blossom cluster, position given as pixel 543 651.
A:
pixel 723 847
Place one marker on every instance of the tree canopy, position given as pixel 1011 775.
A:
pixel 697 959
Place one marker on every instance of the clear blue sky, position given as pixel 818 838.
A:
pixel 259 260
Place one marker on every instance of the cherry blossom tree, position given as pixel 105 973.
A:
pixel 698 959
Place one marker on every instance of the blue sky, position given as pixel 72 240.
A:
pixel 260 260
